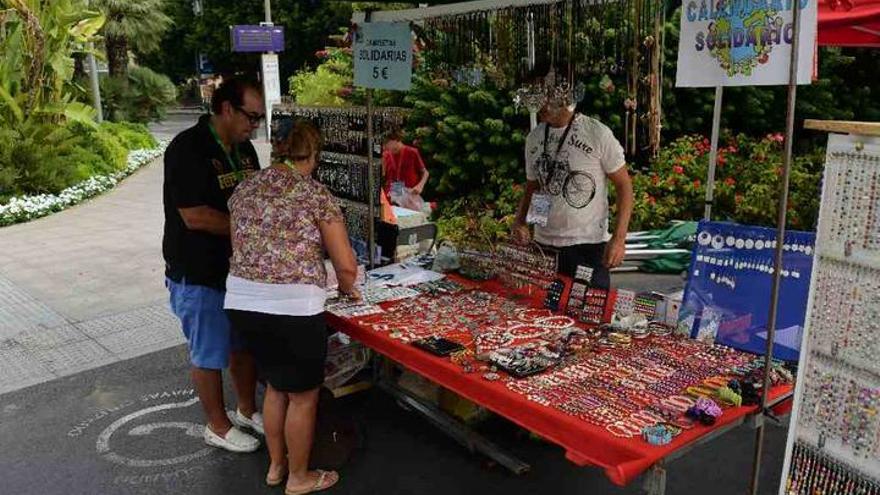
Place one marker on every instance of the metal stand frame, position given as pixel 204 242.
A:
pixel 459 432
pixel 655 483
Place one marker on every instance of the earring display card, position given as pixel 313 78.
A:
pixel 586 303
pixel 836 421
pixel 727 298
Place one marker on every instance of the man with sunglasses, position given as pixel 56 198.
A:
pixel 203 165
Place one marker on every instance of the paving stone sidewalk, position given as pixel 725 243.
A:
pixel 84 287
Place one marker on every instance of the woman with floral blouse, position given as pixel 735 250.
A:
pixel 282 222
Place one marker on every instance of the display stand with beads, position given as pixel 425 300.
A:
pixel 834 439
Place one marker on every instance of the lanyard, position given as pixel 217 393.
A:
pixel 233 160
pixel 561 140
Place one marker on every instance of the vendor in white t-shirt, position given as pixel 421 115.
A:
pixel 570 158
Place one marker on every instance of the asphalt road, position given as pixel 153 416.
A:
pixel 128 428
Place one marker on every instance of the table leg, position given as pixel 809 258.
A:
pixel 655 480
pixel 458 431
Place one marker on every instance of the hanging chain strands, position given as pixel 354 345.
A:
pixel 814 472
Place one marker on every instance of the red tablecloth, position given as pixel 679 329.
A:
pixel 586 445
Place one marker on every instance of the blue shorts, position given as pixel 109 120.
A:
pixel 204 322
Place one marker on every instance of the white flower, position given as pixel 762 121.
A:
pixel 23 208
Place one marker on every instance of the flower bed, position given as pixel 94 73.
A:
pixel 25 208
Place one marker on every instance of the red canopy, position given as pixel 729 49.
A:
pixel 849 23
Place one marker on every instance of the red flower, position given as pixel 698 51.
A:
pixel 655 179
pixel 322 54
pixel 696 183
pixel 678 169
pixel 778 137
pixel 729 181
pixel 651 200
pixel 721 160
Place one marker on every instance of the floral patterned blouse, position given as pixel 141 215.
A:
pixel 274 218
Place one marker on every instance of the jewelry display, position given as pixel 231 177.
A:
pixel 521 266
pixel 616 42
pixel 836 423
pixel 343 165
pixel 351 309
pixel 346 176
pixel 814 472
pixel 356 216
pixel 618 381
pixel 377 294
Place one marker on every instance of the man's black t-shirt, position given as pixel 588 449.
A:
pixel 198 173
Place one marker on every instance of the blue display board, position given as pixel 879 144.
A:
pixel 728 290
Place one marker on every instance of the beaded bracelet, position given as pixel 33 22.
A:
pixel 657 435
pixel 623 430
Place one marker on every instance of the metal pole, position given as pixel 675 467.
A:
pixel 371 234
pixel 780 238
pixel 713 153
pixel 267 7
pixel 93 77
pixel 530 50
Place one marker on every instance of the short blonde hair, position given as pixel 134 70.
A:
pixel 302 142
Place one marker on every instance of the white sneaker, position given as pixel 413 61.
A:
pixel 235 440
pixel 255 422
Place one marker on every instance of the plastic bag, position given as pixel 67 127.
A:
pixel 411 201
pixel 446 258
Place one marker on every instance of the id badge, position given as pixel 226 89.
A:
pixel 539 210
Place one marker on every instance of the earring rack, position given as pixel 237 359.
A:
pixel 834 438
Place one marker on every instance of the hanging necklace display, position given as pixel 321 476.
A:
pixel 343 164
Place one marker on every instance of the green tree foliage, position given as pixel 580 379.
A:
pixel 307 25
pixel 143 96
pixel 746 187
pixel 131 24
pixel 472 138
pixel 49 141
pixel 37 110
pixel 328 84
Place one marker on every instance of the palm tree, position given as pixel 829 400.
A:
pixel 137 24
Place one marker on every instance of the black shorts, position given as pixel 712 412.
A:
pixel 587 255
pixel 290 351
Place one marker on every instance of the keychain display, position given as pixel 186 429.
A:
pixel 812 472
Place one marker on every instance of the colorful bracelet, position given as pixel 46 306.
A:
pixel 657 435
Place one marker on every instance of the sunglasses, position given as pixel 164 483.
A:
pixel 253 117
